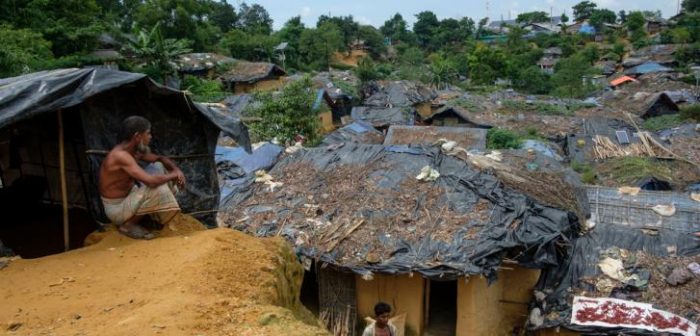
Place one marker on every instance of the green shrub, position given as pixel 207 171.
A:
pixel 204 90
pixel 663 122
pixel 499 138
pixel 588 175
pixel 629 169
pixel 691 112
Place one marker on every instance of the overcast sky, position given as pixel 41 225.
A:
pixel 375 12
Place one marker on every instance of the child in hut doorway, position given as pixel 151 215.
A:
pixel 382 326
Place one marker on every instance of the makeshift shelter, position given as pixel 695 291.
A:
pixel 247 77
pixel 645 68
pixel 236 166
pixel 622 80
pixel 452 116
pixel 607 67
pixel 581 147
pixel 356 132
pixel 382 118
pixel 657 105
pixel 56 127
pixel 648 246
pixel 467 138
pixel 201 64
pixel 360 209
pixel 402 94
pixel 340 100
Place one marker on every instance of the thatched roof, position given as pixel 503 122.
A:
pixel 467 138
pixel 195 62
pixel 251 72
pixel 360 207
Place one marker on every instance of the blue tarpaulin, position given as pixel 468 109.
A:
pixel 646 68
pixel 263 157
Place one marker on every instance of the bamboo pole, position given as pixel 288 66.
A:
pixel 62 168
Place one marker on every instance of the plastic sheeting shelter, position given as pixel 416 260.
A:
pixel 481 220
pixel 356 132
pixel 93 103
pixel 648 67
pixel 384 117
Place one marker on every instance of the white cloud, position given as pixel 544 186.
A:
pixel 363 20
pixel 306 11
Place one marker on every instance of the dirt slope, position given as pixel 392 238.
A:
pixel 214 282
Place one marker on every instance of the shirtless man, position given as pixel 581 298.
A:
pixel 125 201
pixel 381 326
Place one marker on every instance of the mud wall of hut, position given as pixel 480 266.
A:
pixel 404 293
pixel 495 309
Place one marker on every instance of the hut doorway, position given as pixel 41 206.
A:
pixel 441 308
pixel 309 288
pixel 30 196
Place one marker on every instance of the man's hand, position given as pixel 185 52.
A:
pixel 179 177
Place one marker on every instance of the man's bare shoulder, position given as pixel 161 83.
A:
pixel 118 156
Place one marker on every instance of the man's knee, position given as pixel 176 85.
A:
pixel 156 168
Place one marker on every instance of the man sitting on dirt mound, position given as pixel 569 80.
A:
pixel 130 192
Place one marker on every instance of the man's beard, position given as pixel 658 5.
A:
pixel 143 149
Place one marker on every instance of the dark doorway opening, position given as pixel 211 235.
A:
pixel 309 289
pixel 442 308
pixel 37 231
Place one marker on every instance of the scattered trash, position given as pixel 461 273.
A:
pixel 679 276
pixel 495 155
pixel 695 197
pixel 665 209
pixel 629 190
pixel 262 176
pixel 695 268
pixel 295 148
pixel 613 268
pixel 536 319
pixel 428 174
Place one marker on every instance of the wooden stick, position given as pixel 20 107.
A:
pixel 64 192
pixel 192 156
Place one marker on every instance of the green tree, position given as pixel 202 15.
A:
pixel 583 10
pixel 291 33
pixel 442 72
pixel 373 40
pixel 71 26
pixel 480 31
pixel 486 64
pixel 223 15
pixel 691 5
pixel 21 50
pixel 317 46
pixel 396 29
pixel 366 70
pixel 179 19
pixel 681 35
pixel 601 16
pixel 425 27
pixel 254 19
pixel 567 77
pixel 253 47
pixel 532 17
pixel 349 29
pixel 533 80
pixel 287 115
pixel 591 53
pixel 413 56
pixel 622 15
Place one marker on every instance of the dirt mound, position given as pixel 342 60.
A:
pixel 213 282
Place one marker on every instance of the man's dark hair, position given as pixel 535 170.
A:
pixel 381 308
pixel 132 125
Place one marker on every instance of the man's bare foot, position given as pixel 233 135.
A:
pixel 135 231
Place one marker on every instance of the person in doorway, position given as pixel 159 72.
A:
pixel 130 192
pixel 381 326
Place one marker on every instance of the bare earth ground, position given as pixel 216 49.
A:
pixel 213 282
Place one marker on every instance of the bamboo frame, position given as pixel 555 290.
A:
pixel 64 191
